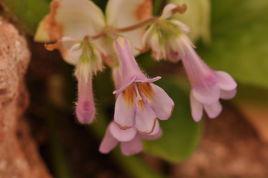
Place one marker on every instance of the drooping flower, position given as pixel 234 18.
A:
pixel 139 102
pixel 208 86
pixel 73 25
pixel 168 40
pixel 89 64
pixel 162 36
pixel 130 139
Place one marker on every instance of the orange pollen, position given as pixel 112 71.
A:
pixel 129 94
pixel 140 103
pixel 135 92
pixel 146 90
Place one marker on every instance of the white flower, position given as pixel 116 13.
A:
pixel 77 19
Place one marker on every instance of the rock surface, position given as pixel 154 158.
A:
pixel 18 154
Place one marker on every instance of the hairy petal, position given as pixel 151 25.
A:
pixel 85 107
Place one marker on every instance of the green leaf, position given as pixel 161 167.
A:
pixel 239 40
pixel 180 133
pixel 28 13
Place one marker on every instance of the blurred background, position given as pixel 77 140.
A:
pixel 230 35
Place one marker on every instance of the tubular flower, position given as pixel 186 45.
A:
pixel 130 139
pixel 139 102
pixel 168 40
pixel 89 63
pixel 74 26
pixel 208 86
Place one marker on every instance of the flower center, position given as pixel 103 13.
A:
pixel 138 93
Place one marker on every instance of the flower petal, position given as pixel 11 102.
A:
pixel 168 10
pixel 226 82
pixel 213 110
pixel 145 119
pixel 129 68
pixel 161 103
pixel 206 95
pixel 85 108
pixel 71 18
pixel 196 109
pixel 108 142
pixel 122 13
pixel 156 133
pixel 228 94
pixel 122 135
pixel 70 52
pixel 124 112
pixel 132 147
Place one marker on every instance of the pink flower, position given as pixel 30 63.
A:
pixel 85 107
pixel 130 139
pixel 208 86
pixel 89 64
pixel 139 102
pixel 168 40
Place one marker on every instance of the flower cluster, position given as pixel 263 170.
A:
pixel 89 39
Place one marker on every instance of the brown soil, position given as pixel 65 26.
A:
pixel 230 147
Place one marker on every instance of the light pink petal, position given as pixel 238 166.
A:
pixel 126 58
pixel 124 84
pixel 196 109
pixel 156 129
pixel 202 78
pixel 228 94
pixel 85 107
pixel 207 94
pixel 108 142
pixel 145 119
pixel 213 110
pixel 132 147
pixel 124 112
pixel 225 81
pixel 148 80
pixel 161 103
pixel 122 135
pixel 156 133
